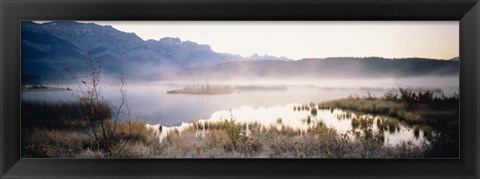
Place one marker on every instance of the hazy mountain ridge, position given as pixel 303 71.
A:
pixel 62 44
pixel 333 67
pixel 266 57
pixel 49 48
pixel 455 59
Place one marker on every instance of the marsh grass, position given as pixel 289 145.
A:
pixel 414 108
pixel 57 130
pixel 436 115
pixel 59 115
pixel 279 142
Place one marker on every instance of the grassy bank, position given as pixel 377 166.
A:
pixel 231 140
pixel 421 109
pixel 59 130
pixel 408 106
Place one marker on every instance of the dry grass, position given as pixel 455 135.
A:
pixel 422 110
pixel 56 130
pixel 64 135
pixel 135 130
pixel 280 142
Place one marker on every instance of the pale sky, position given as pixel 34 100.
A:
pixel 307 39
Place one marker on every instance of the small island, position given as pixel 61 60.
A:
pixel 261 88
pixel 202 90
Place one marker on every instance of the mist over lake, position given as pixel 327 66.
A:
pixel 153 104
pixel 95 91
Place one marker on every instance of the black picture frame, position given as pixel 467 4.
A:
pixel 467 12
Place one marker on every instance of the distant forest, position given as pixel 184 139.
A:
pixel 338 67
pixel 335 67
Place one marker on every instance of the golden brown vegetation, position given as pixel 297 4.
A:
pixel 54 130
pixel 420 109
pixel 58 130
pixel 277 142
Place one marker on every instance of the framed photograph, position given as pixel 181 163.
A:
pixel 243 89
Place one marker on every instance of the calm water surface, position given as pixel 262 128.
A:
pixel 155 106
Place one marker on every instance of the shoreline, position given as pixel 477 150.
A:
pixel 43 89
pixel 304 130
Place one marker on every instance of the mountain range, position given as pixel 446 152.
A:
pixel 48 49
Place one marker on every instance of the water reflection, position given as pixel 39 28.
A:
pixel 177 111
pixel 302 118
pixel 155 106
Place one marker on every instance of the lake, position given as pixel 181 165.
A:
pixel 153 105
